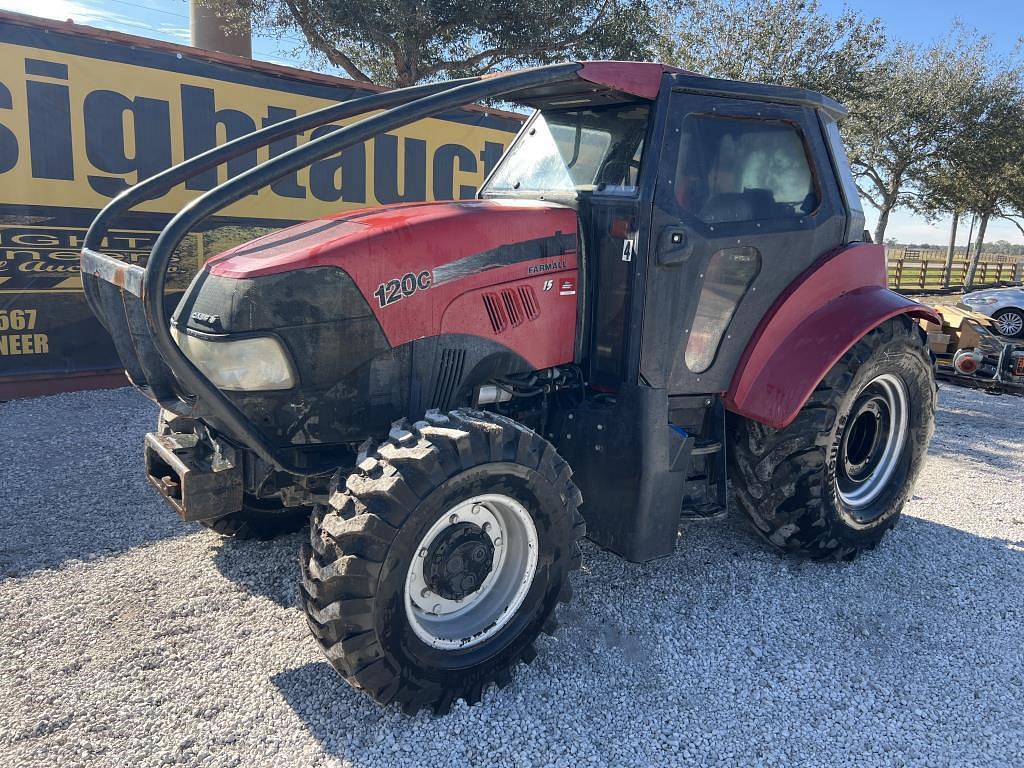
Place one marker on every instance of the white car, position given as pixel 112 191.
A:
pixel 1004 305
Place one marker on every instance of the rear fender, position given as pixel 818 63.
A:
pixel 826 311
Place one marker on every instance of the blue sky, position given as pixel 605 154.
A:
pixel 911 20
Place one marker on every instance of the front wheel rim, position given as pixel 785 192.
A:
pixel 1010 323
pixel 454 597
pixel 872 444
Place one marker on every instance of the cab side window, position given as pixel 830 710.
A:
pixel 738 169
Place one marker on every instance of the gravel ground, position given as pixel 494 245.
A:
pixel 128 638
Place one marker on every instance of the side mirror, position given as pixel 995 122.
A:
pixel 866 237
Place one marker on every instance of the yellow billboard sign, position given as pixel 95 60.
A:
pixel 76 130
pixel 85 114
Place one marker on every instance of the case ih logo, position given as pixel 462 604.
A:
pixel 567 286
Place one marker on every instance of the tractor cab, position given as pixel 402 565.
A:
pixel 699 202
pixel 673 176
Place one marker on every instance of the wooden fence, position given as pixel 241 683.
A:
pixel 913 270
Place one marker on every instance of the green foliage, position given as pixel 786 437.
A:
pixel 918 112
pixel 975 160
pixel 401 42
pixel 982 170
pixel 783 42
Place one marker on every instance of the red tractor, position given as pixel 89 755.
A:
pixel 662 284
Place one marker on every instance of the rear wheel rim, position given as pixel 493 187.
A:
pixel 471 572
pixel 1010 323
pixel 872 444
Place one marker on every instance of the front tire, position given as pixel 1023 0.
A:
pixel 435 566
pixel 835 480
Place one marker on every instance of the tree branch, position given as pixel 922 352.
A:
pixel 322 44
pixel 1013 220
pixel 493 56
pixel 867 197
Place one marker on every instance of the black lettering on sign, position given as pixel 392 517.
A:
pixel 286 186
pixel 491 154
pixel 385 170
pixel 399 288
pixel 444 171
pixel 45 259
pixel 106 145
pixel 341 176
pixel 49 122
pixel 200 118
pixel 8 141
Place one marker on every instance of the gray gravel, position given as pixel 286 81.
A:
pixel 128 638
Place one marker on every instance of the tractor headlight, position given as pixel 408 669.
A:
pixel 256 363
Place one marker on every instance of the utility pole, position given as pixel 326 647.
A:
pixel 212 32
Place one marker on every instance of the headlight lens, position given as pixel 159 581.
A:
pixel 980 300
pixel 241 365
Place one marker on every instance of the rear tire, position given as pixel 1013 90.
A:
pixel 259 519
pixel 399 527
pixel 835 480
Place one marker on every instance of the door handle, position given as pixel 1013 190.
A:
pixel 674 247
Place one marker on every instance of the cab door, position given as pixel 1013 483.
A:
pixel 745 201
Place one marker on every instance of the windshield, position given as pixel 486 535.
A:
pixel 574 150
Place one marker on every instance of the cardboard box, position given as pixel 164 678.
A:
pixel 970 333
pixel 964 327
pixel 938 342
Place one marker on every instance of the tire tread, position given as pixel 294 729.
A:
pixel 351 535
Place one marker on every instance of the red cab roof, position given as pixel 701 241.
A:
pixel 639 78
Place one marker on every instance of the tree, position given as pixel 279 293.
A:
pixel 782 42
pixel 945 189
pixel 981 167
pixel 917 104
pixel 994 172
pixel 402 42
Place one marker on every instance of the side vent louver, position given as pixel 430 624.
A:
pixel 511 307
pixel 529 300
pixel 495 312
pixel 449 377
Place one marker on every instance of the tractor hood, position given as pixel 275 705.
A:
pixel 377 243
pixel 409 263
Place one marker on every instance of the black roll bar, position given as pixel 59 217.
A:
pixel 163 182
pixel 408 105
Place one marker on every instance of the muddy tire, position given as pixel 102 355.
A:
pixel 258 519
pixel 835 480
pixel 441 558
